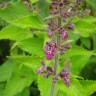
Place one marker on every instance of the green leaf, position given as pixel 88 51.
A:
pixel 43 10
pixel 78 62
pixel 44 85
pixel 13 12
pixel 22 77
pixel 76 50
pixel 6 71
pixel 32 62
pixel 33 1
pixel 29 21
pixel 73 36
pixel 32 45
pixel 85 26
pixel 86 42
pixel 2 86
pixel 89 86
pixel 14 33
pixel 25 92
pixel 75 88
pixel 91 4
pixel 79 58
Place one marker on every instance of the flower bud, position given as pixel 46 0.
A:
pixel 71 26
pixel 46 75
pixel 54 8
pixel 65 76
pixel 50 33
pixel 41 69
pixel 64 35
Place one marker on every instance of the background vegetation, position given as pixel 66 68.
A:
pixel 22 35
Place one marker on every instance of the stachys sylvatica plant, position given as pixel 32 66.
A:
pixel 50 43
pixel 59 26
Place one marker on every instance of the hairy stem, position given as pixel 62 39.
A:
pixel 56 58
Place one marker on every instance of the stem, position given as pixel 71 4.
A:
pixel 55 69
pixel 58 93
pixel 56 57
pixel 52 89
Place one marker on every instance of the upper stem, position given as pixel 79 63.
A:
pixel 56 58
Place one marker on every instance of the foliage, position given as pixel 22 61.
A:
pixel 26 30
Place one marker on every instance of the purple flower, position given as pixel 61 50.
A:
pixel 65 76
pixel 50 50
pixel 67 46
pixel 41 69
pixel 66 81
pixel 62 2
pixel 50 33
pixel 71 26
pixel 64 35
pixel 65 14
pixel 46 75
pixel 54 8
pixel 52 25
pixel 62 51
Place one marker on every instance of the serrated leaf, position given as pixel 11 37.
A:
pixel 76 50
pixel 6 71
pixel 25 92
pixel 91 4
pixel 13 12
pixel 44 85
pixel 79 58
pixel 86 42
pixel 85 26
pixel 43 10
pixel 32 62
pixel 78 62
pixel 89 86
pixel 33 1
pixel 14 33
pixel 22 77
pixel 2 86
pixel 75 89
pixel 29 21
pixel 32 45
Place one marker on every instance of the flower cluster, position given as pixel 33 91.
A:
pixel 58 30
pixel 45 70
pixel 64 74
pixel 50 50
